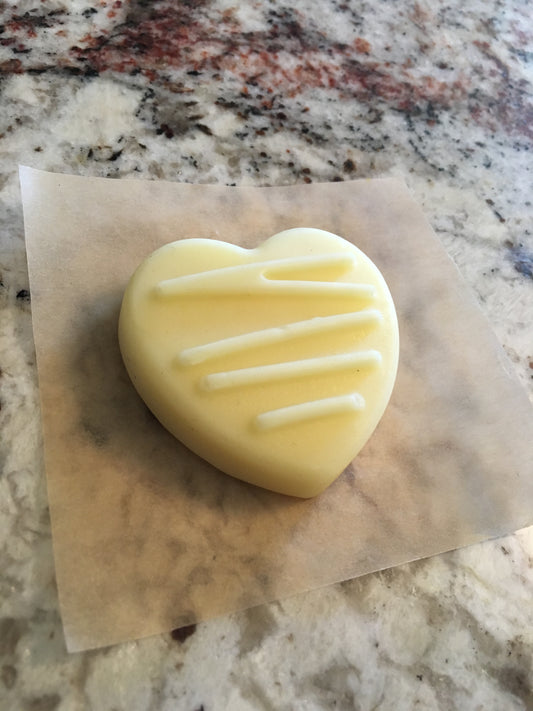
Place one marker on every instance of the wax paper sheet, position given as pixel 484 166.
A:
pixel 147 536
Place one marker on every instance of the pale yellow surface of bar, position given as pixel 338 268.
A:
pixel 275 364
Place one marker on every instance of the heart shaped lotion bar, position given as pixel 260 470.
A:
pixel 275 364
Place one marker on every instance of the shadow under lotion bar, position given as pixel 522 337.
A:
pixel 275 364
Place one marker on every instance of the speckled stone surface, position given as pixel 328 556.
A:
pixel 276 93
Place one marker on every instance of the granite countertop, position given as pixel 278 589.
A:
pixel 275 93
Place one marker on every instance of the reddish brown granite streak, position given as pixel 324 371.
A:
pixel 290 58
pixel 192 43
pixel 285 56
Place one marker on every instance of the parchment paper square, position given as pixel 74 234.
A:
pixel 147 536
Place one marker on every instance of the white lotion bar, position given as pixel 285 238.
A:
pixel 275 364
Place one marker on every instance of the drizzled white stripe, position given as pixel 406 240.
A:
pixel 309 411
pixel 260 277
pixel 278 334
pixel 293 369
